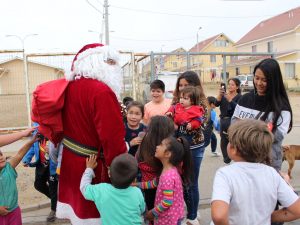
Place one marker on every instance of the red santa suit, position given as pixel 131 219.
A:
pixel 92 124
pixel 183 116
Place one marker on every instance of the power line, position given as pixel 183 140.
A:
pixel 174 14
pixel 93 6
pixel 153 40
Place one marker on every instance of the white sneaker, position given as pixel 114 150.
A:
pixel 192 222
pixel 215 153
pixel 198 216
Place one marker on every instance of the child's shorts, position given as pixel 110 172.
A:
pixel 12 218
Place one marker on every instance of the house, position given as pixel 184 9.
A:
pixel 171 62
pixel 279 34
pixel 208 64
pixel 12 75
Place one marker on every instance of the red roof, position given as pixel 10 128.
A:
pixel 204 44
pixel 168 56
pixel 287 21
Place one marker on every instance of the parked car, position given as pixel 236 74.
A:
pixel 170 83
pixel 246 81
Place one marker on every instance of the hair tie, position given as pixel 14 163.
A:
pixel 178 139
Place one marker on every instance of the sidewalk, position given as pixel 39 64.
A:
pixel 210 165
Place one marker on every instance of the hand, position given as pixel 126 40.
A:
pixel 91 162
pixel 4 211
pixel 286 147
pixel 227 96
pixel 221 91
pixel 134 184
pixel 149 215
pixel 25 164
pixel 135 141
pixel 175 127
pixel 189 126
pixel 35 138
pixel 285 176
pixel 29 131
pixel 218 132
pixel 169 114
pixel 46 148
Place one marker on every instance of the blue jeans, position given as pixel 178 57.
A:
pixel 210 139
pixel 191 194
pixel 189 138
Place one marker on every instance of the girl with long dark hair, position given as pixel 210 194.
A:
pixel 191 195
pixel 268 101
pixel 227 102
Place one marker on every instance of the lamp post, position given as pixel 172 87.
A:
pixel 161 57
pixel 26 74
pixel 198 52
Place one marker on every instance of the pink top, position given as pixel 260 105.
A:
pixel 170 180
pixel 151 109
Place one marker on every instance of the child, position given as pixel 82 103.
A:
pixel 135 113
pixel 209 135
pixel 127 100
pixel 160 128
pixel 187 111
pixel 246 192
pixel 169 204
pixel 10 212
pixel 159 105
pixel 45 173
pixel 118 203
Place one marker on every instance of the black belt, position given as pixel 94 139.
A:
pixel 81 149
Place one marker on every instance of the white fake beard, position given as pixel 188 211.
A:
pixel 93 66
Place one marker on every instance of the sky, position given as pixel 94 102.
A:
pixel 138 25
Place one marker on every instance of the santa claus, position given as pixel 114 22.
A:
pixel 89 119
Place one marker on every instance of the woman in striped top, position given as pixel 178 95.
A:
pixel 169 204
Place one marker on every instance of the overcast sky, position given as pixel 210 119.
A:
pixel 64 24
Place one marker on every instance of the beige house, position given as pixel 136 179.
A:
pixel 12 75
pixel 279 34
pixel 209 64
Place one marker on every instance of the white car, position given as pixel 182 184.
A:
pixel 246 81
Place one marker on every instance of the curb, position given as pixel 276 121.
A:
pixel 32 207
pixel 204 204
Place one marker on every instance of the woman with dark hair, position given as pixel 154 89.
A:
pixel 227 103
pixel 191 196
pixel 268 101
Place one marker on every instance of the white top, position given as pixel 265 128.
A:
pixel 252 191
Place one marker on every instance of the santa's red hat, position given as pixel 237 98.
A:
pixel 85 48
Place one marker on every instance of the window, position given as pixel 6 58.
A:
pixel 237 70
pixel 221 43
pixel 212 58
pixel 289 70
pixel 175 64
pixel 270 46
pixel 193 60
pixel 254 48
pixel 233 58
pixel 251 69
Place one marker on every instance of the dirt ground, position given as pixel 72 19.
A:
pixel 25 182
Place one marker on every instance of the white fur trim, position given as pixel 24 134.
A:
pixel 65 211
pixel 91 64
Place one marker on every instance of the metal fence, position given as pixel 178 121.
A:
pixel 19 79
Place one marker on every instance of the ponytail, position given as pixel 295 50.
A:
pixel 181 152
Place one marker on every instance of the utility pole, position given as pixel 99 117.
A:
pixel 106 23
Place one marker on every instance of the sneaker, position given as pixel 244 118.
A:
pixel 192 222
pixel 52 216
pixel 198 216
pixel 215 153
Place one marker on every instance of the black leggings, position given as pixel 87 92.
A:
pixel 224 125
pixel 42 176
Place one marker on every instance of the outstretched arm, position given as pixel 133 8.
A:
pixel 287 214
pixel 10 138
pixel 147 185
pixel 17 159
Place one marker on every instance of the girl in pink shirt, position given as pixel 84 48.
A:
pixel 169 204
